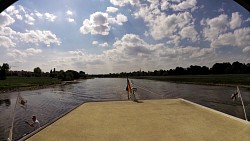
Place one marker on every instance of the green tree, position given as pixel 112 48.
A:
pixel 37 71
pixel 4 70
pixel 61 75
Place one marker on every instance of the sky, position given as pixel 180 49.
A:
pixel 112 36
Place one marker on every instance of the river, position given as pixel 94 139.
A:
pixel 50 103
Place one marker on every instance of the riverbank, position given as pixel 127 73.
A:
pixel 242 80
pixel 27 83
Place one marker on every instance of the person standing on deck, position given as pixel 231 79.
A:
pixel 134 89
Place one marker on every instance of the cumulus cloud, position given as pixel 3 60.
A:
pixel 6 42
pixel 111 10
pixel 162 25
pixel 104 45
pixel 134 50
pixel 94 42
pixel 38 36
pixel 246 49
pixel 124 2
pixel 99 23
pixel 29 19
pixel 32 51
pixel 238 38
pixel 38 14
pixel 21 13
pixel 215 26
pixel 184 5
pixel 77 53
pixel 50 17
pixel 71 20
pixel 235 20
pixel 189 32
pixel 69 13
pixel 5 19
pixel 15 53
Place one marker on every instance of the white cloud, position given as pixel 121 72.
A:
pixel 38 36
pixel 95 43
pixel 135 51
pixel 7 31
pixel 71 20
pixel 164 26
pixel 29 19
pixel 215 26
pixel 104 45
pixel 184 5
pixel 69 13
pixel 120 18
pixel 77 53
pixel 15 53
pixel 189 32
pixel 235 20
pixel 5 19
pixel 38 14
pixel 124 2
pixel 31 51
pixel 165 5
pixel 111 10
pixel 246 49
pixel 201 52
pixel 6 42
pixel 99 23
pixel 50 17
pixel 19 17
pixel 238 38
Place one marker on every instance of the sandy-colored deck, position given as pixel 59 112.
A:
pixel 151 120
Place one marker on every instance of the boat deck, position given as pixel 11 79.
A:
pixel 148 120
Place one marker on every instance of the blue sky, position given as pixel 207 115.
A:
pixel 108 36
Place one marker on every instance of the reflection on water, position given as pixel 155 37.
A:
pixel 50 103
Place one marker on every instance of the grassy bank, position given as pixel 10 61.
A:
pixel 227 79
pixel 12 83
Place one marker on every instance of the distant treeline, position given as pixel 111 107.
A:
pixel 62 75
pixel 217 68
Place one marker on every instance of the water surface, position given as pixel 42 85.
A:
pixel 50 103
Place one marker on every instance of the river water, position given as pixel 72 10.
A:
pixel 50 103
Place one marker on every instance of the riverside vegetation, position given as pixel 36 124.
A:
pixel 22 80
pixel 219 74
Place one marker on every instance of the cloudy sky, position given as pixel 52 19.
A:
pixel 103 36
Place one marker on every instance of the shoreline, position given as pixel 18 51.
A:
pixel 213 84
pixel 38 87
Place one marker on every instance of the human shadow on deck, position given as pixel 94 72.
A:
pixel 137 101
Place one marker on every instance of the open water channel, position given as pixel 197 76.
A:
pixel 50 103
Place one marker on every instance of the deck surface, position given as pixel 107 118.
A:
pixel 150 120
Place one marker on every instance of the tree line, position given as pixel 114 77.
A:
pixel 217 68
pixel 37 72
